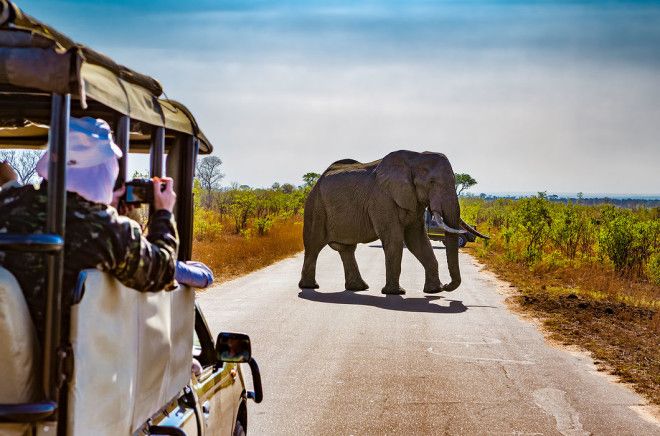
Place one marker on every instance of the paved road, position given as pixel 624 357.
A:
pixel 342 363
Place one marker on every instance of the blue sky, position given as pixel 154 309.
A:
pixel 524 96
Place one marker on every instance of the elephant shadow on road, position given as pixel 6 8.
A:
pixel 389 302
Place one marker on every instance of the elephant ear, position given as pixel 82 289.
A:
pixel 394 174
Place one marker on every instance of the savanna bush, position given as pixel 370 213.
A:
pixel 207 225
pixel 653 268
pixel 263 225
pixel 241 229
pixel 572 230
pixel 534 224
pixel 495 213
pixel 241 210
pixel 548 235
pixel 628 241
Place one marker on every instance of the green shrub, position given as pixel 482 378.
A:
pixel 571 230
pixel 206 226
pixel 653 268
pixel 243 203
pixel 263 225
pixel 534 222
pixel 529 228
pixel 628 242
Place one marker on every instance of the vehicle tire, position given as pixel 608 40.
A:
pixel 462 241
pixel 238 429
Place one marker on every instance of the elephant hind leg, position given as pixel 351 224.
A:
pixel 314 239
pixel 308 275
pixel 354 281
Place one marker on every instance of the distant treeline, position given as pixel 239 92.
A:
pixel 628 203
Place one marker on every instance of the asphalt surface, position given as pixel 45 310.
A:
pixel 335 362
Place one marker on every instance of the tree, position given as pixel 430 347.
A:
pixel 209 176
pixel 137 174
pixel 24 162
pixel 463 181
pixel 242 205
pixel 535 223
pixel 287 188
pixel 310 179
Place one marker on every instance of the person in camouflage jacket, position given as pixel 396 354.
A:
pixel 96 236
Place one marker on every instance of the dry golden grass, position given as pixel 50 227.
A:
pixel 231 255
pixel 589 276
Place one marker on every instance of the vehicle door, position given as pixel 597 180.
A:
pixel 219 387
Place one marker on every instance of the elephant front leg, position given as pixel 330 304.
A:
pixel 420 246
pixel 393 253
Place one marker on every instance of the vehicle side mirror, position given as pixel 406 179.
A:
pixel 233 348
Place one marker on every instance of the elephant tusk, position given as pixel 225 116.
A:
pixel 472 230
pixel 445 227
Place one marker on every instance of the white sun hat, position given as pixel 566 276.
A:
pixel 92 166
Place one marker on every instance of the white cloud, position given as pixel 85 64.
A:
pixel 558 97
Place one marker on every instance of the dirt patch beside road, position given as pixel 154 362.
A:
pixel 623 339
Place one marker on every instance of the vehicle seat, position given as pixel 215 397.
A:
pixel 132 354
pixel 19 347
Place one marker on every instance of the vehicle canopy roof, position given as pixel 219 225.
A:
pixel 37 60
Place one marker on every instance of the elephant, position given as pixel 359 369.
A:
pixel 354 202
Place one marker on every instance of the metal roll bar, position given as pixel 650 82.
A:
pixel 185 208
pixel 122 138
pixel 50 243
pixel 55 224
pixel 157 155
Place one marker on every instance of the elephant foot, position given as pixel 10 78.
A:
pixel 435 289
pixel 357 285
pixel 432 285
pixel 304 284
pixel 450 286
pixel 393 290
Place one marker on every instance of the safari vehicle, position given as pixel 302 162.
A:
pixel 114 361
pixel 436 233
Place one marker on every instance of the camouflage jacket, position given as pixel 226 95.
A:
pixel 95 237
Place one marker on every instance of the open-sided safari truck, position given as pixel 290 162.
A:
pixel 123 364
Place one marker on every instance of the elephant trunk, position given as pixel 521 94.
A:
pixel 449 217
pixel 451 244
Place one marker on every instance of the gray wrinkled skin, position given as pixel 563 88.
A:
pixel 355 202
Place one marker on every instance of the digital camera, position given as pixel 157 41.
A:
pixel 139 191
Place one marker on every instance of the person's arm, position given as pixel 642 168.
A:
pixel 147 264
pixel 194 274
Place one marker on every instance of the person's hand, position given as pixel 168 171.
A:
pixel 7 173
pixel 116 196
pixel 164 199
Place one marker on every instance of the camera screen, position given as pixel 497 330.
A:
pixel 137 194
